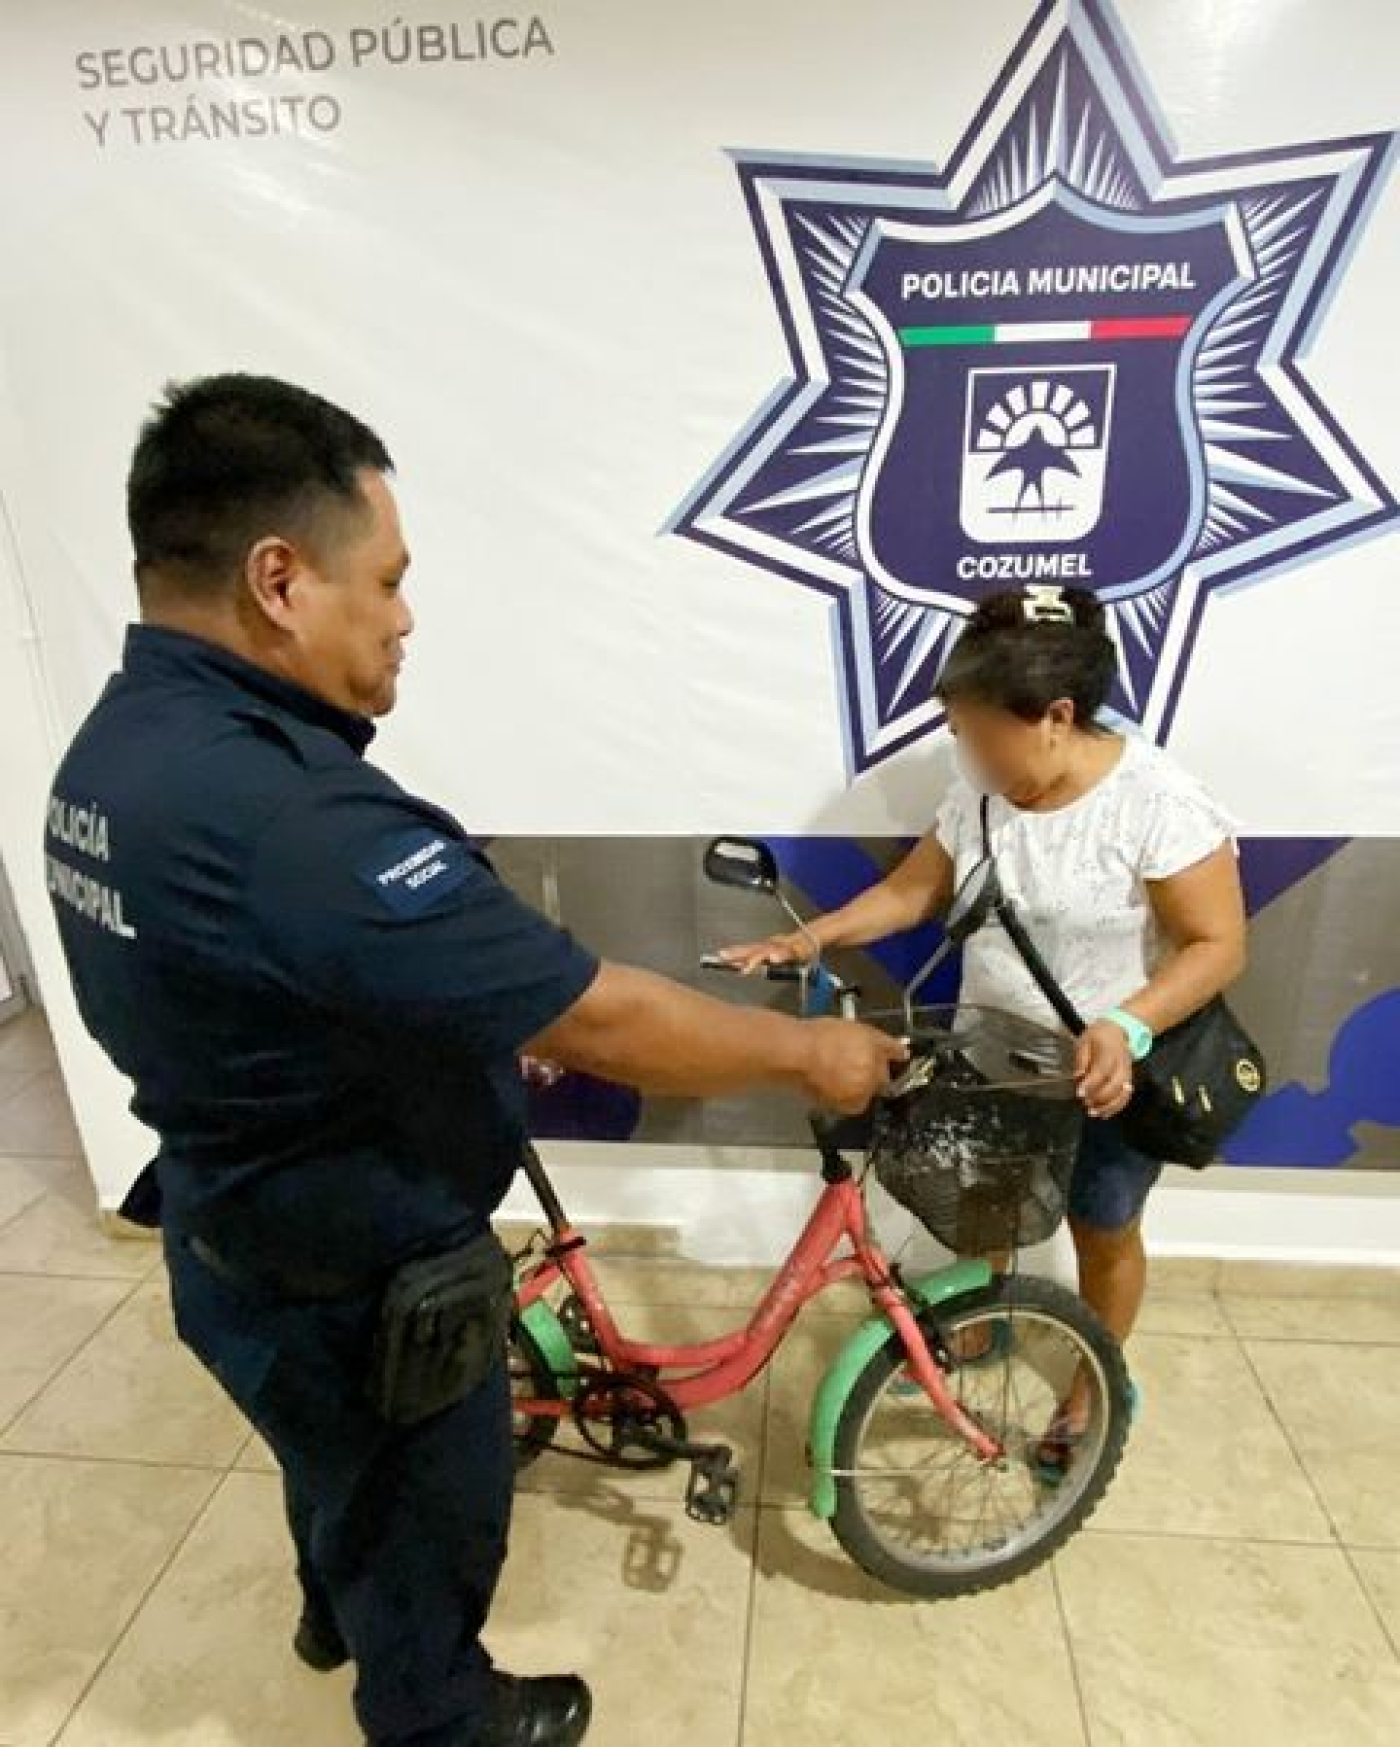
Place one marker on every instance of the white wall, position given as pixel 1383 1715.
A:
pixel 493 295
pixel 117 1145
pixel 729 1206
pixel 741 1205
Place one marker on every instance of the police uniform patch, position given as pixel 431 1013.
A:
pixel 413 871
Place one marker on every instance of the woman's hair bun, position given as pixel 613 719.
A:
pixel 1039 604
pixel 1024 649
pixel 1086 607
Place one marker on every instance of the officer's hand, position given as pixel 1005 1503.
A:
pixel 779 949
pixel 848 1063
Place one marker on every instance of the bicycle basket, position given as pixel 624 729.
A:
pixel 982 1153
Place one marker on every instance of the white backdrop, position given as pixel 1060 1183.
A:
pixel 535 276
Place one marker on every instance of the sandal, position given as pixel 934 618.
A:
pixel 1053 1455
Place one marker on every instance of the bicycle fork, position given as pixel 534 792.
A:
pixel 932 1292
pixel 927 1371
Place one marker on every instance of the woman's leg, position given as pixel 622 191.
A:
pixel 1112 1281
pixel 1112 1273
pixel 1108 1192
pixel 1110 1187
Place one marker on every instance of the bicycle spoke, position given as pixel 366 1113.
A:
pixel 925 1492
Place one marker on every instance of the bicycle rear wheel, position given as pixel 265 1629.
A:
pixel 531 1379
pixel 915 1506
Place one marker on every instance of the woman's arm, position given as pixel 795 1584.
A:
pixel 919 887
pixel 1200 911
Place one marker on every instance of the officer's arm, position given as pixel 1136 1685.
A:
pixel 661 1037
pixel 375 910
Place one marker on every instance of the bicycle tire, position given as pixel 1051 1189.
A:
pixel 1039 1299
pixel 528 1364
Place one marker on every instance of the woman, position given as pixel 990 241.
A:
pixel 1123 870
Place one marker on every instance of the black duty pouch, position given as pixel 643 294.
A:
pixel 442 1324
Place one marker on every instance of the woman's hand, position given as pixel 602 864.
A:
pixel 778 949
pixel 1103 1066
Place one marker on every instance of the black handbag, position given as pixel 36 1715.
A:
pixel 1200 1082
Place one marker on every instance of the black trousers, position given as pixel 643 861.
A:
pixel 400 1532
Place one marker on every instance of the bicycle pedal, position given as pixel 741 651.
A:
pixel 712 1496
pixel 577 1327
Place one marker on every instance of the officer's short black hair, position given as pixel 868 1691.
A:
pixel 225 461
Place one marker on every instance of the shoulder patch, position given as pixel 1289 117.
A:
pixel 412 871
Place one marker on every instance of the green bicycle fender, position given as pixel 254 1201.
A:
pixel 953 1282
pixel 547 1332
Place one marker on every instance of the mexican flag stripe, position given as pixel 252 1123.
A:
pixel 1011 333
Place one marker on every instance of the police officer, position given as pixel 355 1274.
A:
pixel 320 992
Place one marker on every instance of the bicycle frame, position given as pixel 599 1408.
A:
pixel 710 1371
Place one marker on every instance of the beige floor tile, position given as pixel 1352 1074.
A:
pixel 13 1080
pixel 39 1119
pixel 797 1370
pixel 1380 1572
pixel 737 1422
pixel 1306 1280
pixel 25 1179
pixel 208 1662
pixel 135 1393
pixel 80 1543
pixel 625 1240
pixel 256 1458
pixel 1184 1276
pixel 1207 1456
pixel 25 1043
pixel 649 1607
pixel 1172 1313
pixel 631 1281
pixel 1374 1321
pixel 1341 1408
pixel 837 1658
pixel 1195 1643
pixel 43 1322
pixel 58 1233
pixel 607 1566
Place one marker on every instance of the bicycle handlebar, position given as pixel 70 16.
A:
pixel 775 973
pixel 911 1079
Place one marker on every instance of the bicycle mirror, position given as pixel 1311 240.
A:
pixel 742 862
pixel 973 901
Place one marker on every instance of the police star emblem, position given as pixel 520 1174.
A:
pixel 1068 357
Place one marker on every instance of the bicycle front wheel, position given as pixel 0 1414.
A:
pixel 916 1507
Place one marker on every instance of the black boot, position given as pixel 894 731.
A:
pixel 319 1644
pixel 554 1712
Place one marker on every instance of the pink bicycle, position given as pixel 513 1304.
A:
pixel 923 1433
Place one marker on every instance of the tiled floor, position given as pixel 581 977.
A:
pixel 1240 1586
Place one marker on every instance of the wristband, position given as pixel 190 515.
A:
pixel 1137 1032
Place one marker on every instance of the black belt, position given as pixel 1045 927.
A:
pixel 310 1284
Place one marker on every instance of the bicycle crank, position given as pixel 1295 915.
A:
pixel 629 1421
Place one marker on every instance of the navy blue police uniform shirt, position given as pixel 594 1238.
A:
pixel 316 983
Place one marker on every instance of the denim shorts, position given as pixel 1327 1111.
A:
pixel 1111 1179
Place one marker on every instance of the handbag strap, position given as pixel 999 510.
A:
pixel 1005 912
